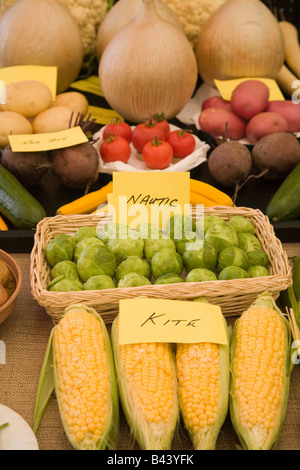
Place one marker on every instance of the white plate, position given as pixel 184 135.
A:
pixel 136 163
pixel 18 435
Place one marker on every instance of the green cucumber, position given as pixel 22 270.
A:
pixel 17 204
pixel 285 203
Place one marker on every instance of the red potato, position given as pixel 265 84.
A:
pixel 289 110
pixel 249 98
pixel 264 124
pixel 216 102
pixel 222 123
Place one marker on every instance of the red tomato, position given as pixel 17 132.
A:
pixel 182 142
pixel 160 119
pixel 118 127
pixel 144 132
pixel 115 148
pixel 157 154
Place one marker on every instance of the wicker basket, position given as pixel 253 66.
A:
pixel 233 296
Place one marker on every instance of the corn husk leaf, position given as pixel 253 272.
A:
pixel 246 436
pixel 149 437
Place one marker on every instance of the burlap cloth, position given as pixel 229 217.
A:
pixel 25 334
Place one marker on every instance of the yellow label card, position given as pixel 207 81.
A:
pixel 144 320
pixel 90 85
pixel 19 73
pixel 149 197
pixel 226 87
pixel 103 115
pixel 47 141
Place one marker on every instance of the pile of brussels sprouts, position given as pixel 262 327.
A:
pixel 185 251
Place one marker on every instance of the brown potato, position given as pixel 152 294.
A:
pixel 3 295
pixel 27 97
pixel 4 273
pixel 74 100
pixel 12 123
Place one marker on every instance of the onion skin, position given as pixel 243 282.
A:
pixel 148 67
pixel 35 32
pixel 240 39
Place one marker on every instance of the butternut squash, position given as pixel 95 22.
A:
pixel 291 46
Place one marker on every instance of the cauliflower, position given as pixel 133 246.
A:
pixel 193 14
pixel 88 14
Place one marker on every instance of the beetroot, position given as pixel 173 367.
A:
pixel 76 166
pixel 28 167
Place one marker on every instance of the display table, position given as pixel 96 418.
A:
pixel 25 335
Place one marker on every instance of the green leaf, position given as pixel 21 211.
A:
pixel 45 385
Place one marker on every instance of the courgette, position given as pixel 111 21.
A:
pixel 17 204
pixel 285 203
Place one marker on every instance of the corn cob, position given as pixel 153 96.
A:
pixel 203 384
pixel 79 366
pixel 147 390
pixel 260 376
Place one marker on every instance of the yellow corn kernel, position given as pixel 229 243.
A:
pixel 148 391
pixel 83 377
pixel 203 384
pixel 258 371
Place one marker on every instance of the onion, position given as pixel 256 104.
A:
pixel 148 67
pixel 120 14
pixel 42 32
pixel 241 38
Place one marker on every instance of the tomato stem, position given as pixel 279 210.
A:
pixel 111 137
pixel 4 425
pixel 156 142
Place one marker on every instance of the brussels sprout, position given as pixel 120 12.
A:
pixel 85 232
pixel 133 280
pixel 221 236
pixel 258 271
pixel 205 257
pixel 148 231
pixel 258 258
pixel 66 268
pixel 133 264
pixel 95 260
pixel 83 244
pixel 189 241
pixel 200 275
pixel 60 284
pixel 112 231
pixel 153 246
pixel 248 242
pixel 241 224
pixel 206 222
pixel 232 272
pixel 232 256
pixel 60 248
pixel 166 261
pixel 178 225
pixel 169 278
pixel 99 282
pixel 123 248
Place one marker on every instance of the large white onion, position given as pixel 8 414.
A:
pixel 148 67
pixel 121 13
pixel 42 32
pixel 242 38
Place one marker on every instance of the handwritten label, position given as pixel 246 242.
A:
pixel 103 115
pixel 226 87
pixel 18 73
pixel 90 85
pixel 149 197
pixel 144 320
pixel 47 141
